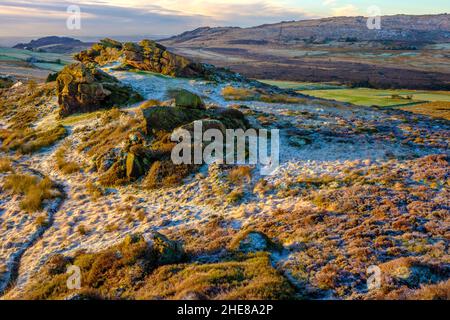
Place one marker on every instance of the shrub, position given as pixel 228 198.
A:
pixel 52 77
pixel 326 278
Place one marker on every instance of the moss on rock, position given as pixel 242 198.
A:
pixel 187 99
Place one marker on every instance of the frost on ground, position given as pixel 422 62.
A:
pixel 355 187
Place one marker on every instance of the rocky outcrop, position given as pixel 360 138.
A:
pixel 188 108
pixel 84 88
pixel 104 52
pixel 138 161
pixel 407 28
pixel 146 150
pixel 207 124
pixel 170 118
pixel 148 55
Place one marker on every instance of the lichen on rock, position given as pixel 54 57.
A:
pixel 84 88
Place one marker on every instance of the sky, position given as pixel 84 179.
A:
pixel 31 18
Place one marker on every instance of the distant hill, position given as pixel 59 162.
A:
pixel 404 28
pixel 54 44
pixel 407 52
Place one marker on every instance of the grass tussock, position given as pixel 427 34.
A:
pixel 66 167
pixel 30 140
pixel 41 222
pixel 94 191
pixel 240 174
pixel 150 103
pixel 5 165
pixel 34 190
pixel 235 196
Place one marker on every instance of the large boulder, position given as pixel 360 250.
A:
pixel 252 241
pixel 84 88
pixel 169 118
pixel 139 160
pixel 187 99
pixel 206 125
pixel 167 251
pixel 151 56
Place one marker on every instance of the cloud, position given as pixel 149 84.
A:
pixel 347 10
pixel 137 17
pixel 329 2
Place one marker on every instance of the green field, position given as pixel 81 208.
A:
pixel 364 96
pixel 381 98
pixel 41 60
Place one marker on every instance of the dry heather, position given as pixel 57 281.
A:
pixel 437 109
pixel 251 94
pixel 356 187
pixel 136 270
pixel 24 105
